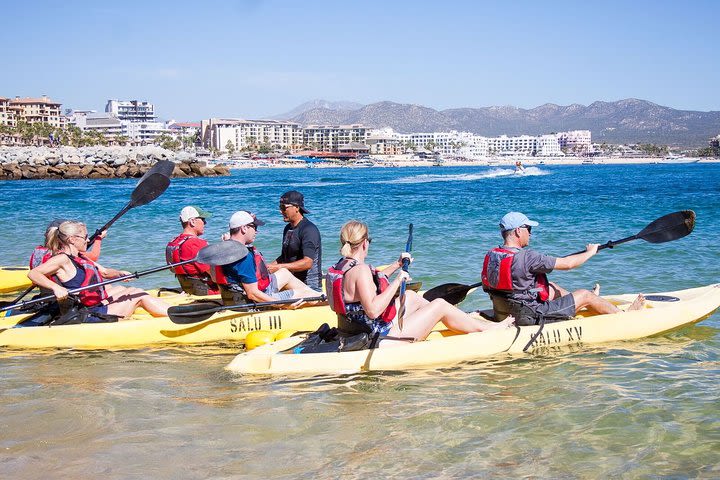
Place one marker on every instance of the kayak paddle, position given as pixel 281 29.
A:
pixel 667 228
pixel 403 285
pixel 149 187
pixel 222 253
pixel 184 314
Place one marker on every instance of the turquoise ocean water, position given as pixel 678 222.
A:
pixel 631 409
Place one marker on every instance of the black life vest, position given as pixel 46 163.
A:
pixel 497 274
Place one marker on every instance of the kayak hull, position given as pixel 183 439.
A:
pixel 143 330
pixel 444 348
pixel 13 279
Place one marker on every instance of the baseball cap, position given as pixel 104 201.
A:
pixel 513 220
pixel 295 198
pixel 242 218
pixel 193 212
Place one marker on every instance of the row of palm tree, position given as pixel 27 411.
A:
pixel 39 134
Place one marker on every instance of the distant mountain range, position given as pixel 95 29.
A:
pixel 625 121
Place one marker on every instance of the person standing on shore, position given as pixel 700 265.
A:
pixel 301 252
pixel 194 277
pixel 515 275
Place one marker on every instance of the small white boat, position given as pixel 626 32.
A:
pixel 679 159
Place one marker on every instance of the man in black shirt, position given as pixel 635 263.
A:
pixel 301 247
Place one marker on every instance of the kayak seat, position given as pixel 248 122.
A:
pixel 326 339
pixel 523 313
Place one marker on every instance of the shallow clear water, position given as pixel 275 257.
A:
pixel 631 409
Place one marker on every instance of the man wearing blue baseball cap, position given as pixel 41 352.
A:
pixel 513 274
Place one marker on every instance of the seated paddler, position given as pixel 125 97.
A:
pixel 515 277
pixel 69 269
pixel 194 277
pixel 365 300
pixel 248 280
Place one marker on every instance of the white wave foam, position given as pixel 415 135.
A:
pixel 465 177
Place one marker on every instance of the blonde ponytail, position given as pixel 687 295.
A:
pixel 352 234
pixel 59 237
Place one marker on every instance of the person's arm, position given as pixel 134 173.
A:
pixel 297 266
pixel 574 261
pixel 94 253
pixel 254 294
pixel 374 304
pixel 40 275
pixel 108 273
pixel 391 268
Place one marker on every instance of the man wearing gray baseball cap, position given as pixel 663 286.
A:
pixel 513 274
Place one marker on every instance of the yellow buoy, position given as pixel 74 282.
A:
pixel 284 334
pixel 258 338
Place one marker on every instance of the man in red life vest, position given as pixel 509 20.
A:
pixel 251 272
pixel 512 273
pixel 194 277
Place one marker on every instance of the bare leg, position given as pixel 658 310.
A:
pixel 124 301
pixel 585 298
pixel 287 281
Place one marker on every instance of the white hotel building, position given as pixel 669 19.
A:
pixel 217 132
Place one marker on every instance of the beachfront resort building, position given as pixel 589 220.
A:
pixel 329 138
pixel 218 133
pixel 30 110
pixel 131 110
pixel 577 142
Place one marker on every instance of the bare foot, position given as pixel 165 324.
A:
pixel 507 323
pixel 638 303
pixel 596 289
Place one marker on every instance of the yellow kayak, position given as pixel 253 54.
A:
pixel 13 279
pixel 663 312
pixel 143 330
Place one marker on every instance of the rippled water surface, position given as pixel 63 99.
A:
pixel 637 409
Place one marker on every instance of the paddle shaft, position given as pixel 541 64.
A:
pixel 403 284
pixel 99 231
pixel 190 316
pixel 97 285
pixel 609 244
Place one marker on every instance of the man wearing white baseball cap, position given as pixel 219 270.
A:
pixel 249 279
pixel 515 275
pixel 194 277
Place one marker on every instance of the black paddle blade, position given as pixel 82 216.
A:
pixel 453 293
pixel 669 227
pixel 162 167
pixel 149 189
pixel 223 253
pixel 196 312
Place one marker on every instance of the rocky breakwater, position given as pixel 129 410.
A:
pixel 19 163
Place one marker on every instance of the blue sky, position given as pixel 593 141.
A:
pixel 252 59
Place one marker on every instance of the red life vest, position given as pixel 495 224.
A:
pixel 40 255
pixel 172 253
pixel 334 285
pixel 261 271
pixel 497 274
pixel 89 269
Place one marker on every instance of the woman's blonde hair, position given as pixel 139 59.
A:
pixel 58 237
pixel 352 234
